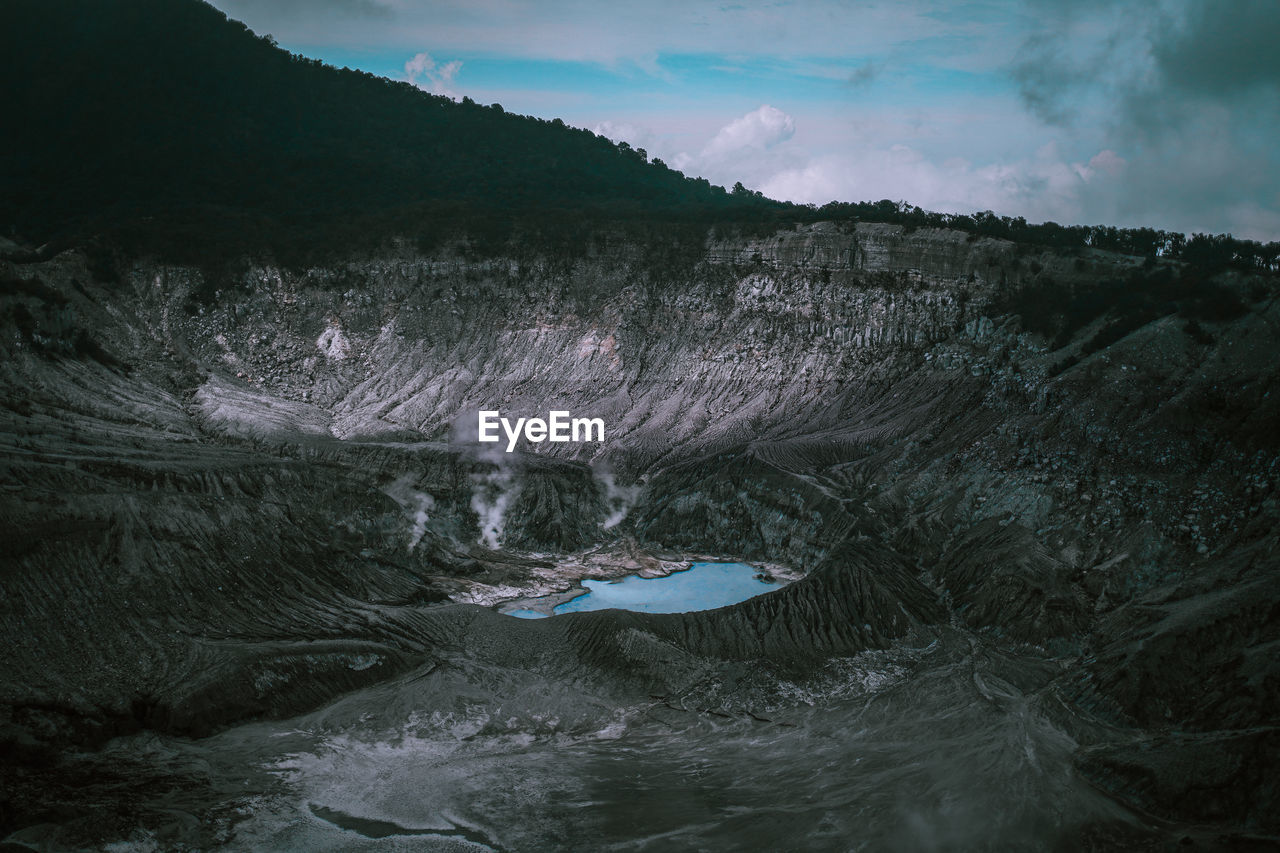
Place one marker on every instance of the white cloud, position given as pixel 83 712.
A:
pixel 637 136
pixel 886 153
pixel 1046 186
pixel 1108 162
pixel 749 148
pixel 759 130
pixel 762 149
pixel 428 75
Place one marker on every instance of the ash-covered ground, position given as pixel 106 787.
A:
pixel 251 556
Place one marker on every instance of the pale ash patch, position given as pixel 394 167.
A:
pixel 851 677
pixel 228 354
pixel 333 343
pixel 607 345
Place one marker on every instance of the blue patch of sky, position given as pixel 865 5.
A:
pixel 695 78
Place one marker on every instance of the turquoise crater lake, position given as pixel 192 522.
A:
pixel 703 586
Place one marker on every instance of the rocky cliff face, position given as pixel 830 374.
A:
pixel 241 498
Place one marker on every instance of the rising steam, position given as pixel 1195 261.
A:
pixel 492 492
pixel 494 486
pixel 416 505
pixel 619 499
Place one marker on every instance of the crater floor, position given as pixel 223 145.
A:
pixel 250 582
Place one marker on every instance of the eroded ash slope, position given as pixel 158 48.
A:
pixel 241 498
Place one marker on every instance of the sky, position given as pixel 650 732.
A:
pixel 1162 113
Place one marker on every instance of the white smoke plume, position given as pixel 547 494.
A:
pixel 493 488
pixel 417 505
pixel 430 76
pixel 492 494
pixel 620 499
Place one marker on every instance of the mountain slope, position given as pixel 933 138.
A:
pixel 147 107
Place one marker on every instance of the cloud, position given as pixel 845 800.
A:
pixel 1220 49
pixel 862 75
pixel 1186 92
pixel 634 135
pixel 760 129
pixel 1043 76
pixel 1158 112
pixel 748 148
pixel 423 72
pixel 759 149
pixel 1141 60
pixel 1107 162
pixel 1042 187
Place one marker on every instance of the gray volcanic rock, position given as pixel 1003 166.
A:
pixel 241 499
pixel 1000 577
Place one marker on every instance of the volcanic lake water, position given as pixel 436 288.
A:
pixel 703 586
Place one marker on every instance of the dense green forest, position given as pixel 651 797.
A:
pixel 166 114
pixel 163 126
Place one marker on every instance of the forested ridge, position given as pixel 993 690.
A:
pixel 163 126
pixel 123 109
